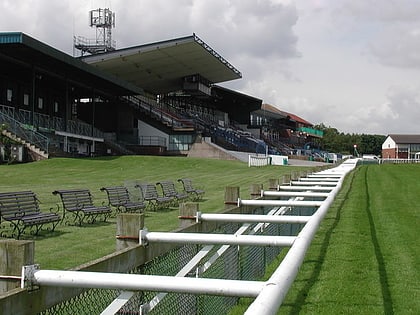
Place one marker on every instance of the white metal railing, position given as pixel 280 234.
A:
pixel 268 294
pixel 399 161
pixel 255 160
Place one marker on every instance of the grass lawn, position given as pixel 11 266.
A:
pixel 365 258
pixel 70 246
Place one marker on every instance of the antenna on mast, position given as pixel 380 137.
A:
pixel 103 20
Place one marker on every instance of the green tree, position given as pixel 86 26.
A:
pixel 339 142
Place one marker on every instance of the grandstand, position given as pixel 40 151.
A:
pixel 157 98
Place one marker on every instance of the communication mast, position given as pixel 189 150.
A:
pixel 103 20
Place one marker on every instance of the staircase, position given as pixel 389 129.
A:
pixel 37 153
pixel 34 141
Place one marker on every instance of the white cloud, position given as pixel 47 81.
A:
pixel 351 64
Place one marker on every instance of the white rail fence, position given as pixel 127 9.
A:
pixel 264 160
pixel 317 190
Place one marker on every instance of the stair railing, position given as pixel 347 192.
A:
pixel 24 132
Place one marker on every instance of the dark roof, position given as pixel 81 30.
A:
pixel 405 139
pixel 159 67
pixel 273 112
pixel 24 50
pixel 236 104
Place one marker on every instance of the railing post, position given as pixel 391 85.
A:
pixel 13 255
pixel 255 190
pixel 231 197
pixel 187 214
pixel 286 178
pixel 128 227
pixel 273 183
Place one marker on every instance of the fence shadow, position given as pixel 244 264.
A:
pixel 300 300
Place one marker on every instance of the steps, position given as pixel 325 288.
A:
pixel 37 153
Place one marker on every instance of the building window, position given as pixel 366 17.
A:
pixel 40 103
pixel 26 99
pixel 56 107
pixel 180 142
pixel 9 95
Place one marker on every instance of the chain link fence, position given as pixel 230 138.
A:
pixel 236 262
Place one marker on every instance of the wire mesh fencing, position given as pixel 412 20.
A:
pixel 221 262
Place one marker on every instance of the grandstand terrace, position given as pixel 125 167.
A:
pixel 285 131
pixel 155 98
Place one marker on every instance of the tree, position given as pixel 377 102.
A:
pixel 338 142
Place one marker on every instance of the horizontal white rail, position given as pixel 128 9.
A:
pixel 271 193
pixel 268 295
pixel 102 280
pixel 214 239
pixel 320 183
pixel 311 188
pixel 315 179
pixel 278 203
pixel 272 295
pixel 325 175
pixel 251 218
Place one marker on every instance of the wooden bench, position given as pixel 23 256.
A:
pixel 119 198
pixel 21 210
pixel 151 195
pixel 78 203
pixel 196 194
pixel 169 190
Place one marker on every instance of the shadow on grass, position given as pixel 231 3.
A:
pixel 297 304
pixel 383 277
pixel 40 236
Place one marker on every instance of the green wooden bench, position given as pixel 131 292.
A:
pixel 79 203
pixel 195 193
pixel 151 195
pixel 169 190
pixel 21 210
pixel 119 198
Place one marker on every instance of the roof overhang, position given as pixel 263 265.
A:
pixel 160 67
pixel 28 52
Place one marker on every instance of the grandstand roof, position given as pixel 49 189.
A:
pixel 236 104
pixel 159 67
pixel 19 48
pixel 275 113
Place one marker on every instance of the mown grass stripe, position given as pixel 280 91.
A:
pixel 386 293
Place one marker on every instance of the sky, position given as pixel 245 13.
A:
pixel 353 65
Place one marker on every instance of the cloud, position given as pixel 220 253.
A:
pixel 404 102
pixel 253 28
pixel 398 46
pixel 390 30
pixel 351 64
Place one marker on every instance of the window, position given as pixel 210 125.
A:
pixel 9 95
pixel 40 103
pixel 180 142
pixel 56 107
pixel 26 99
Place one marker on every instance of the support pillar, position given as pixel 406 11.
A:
pixel 187 214
pixel 255 190
pixel 231 197
pixel 13 255
pixel 286 178
pixel 128 227
pixel 273 183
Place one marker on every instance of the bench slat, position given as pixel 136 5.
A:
pixel 79 202
pixel 119 197
pixel 22 210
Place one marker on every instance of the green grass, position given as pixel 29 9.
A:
pixel 365 258
pixel 70 246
